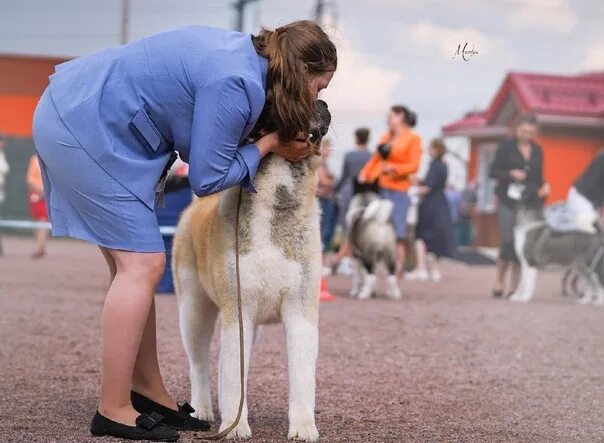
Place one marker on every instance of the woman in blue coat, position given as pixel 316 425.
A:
pixel 105 129
pixel 434 230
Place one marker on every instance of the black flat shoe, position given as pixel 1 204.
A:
pixel 180 419
pixel 148 427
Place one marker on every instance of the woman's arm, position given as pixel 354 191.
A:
pixel 372 170
pixel 325 178
pixel 221 113
pixel 34 176
pixel 500 169
pixel 411 166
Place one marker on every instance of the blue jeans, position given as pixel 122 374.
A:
pixel 328 221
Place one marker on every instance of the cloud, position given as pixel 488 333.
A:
pixel 446 39
pixel 359 85
pixel 594 58
pixel 549 15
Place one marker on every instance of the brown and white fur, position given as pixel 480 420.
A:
pixel 538 246
pixel 280 263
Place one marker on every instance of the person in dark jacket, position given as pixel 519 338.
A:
pixel 518 171
pixel 354 161
pixel 434 232
pixel 586 196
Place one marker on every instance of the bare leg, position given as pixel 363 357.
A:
pixel 502 270
pixel 420 256
pixel 125 315
pixel 147 378
pixel 400 258
pixel 41 240
pixel 515 277
pixel 343 252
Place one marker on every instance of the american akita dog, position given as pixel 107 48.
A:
pixel 372 239
pixel 280 262
pixel 538 246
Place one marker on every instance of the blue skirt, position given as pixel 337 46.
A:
pixel 85 202
pixel 400 200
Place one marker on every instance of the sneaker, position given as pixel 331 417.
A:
pixel 417 275
pixel 436 276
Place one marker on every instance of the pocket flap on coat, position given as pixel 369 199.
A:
pixel 145 130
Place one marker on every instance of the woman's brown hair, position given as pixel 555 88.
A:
pixel 439 147
pixel 294 52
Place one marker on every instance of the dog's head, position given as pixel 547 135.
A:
pixel 319 125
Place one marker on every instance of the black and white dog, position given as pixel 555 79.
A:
pixel 372 239
pixel 539 245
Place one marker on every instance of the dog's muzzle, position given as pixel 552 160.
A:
pixel 321 122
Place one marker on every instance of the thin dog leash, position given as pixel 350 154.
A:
pixel 224 433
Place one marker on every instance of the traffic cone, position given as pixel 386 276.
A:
pixel 325 295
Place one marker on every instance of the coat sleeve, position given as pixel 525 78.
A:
pixel 499 168
pixel 216 161
pixel 412 165
pixel 372 169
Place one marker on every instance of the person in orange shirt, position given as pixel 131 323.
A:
pixel 37 205
pixel 393 166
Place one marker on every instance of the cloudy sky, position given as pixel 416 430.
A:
pixel 391 51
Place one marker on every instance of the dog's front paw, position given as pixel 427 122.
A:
pixel 303 432
pixel 242 431
pixel 203 413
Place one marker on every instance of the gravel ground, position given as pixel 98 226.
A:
pixel 446 364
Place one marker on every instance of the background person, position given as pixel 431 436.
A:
pixel 4 170
pixel 392 166
pixel 325 193
pixel 354 161
pixel 102 151
pixel 434 231
pixel 518 171
pixel 37 205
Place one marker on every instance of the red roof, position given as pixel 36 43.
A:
pixel 561 95
pixel 472 120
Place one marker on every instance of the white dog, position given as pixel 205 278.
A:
pixel 280 262
pixel 372 239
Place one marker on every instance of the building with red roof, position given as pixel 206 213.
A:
pixel 570 112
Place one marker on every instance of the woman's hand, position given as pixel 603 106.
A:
pixel 518 174
pixel 544 190
pixel 294 150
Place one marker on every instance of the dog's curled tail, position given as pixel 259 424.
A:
pixel 378 211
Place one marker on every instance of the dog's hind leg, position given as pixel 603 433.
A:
pixel 302 337
pixel 369 280
pixel 229 377
pixel 197 319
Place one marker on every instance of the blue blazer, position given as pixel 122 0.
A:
pixel 196 90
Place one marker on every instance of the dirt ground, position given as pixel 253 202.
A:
pixel 445 364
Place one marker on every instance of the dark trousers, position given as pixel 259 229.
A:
pixel 328 221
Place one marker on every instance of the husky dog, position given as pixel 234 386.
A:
pixel 538 246
pixel 280 262
pixel 372 239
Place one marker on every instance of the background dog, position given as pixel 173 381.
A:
pixel 280 262
pixel 538 246
pixel 372 239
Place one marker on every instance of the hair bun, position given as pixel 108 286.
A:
pixel 411 118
